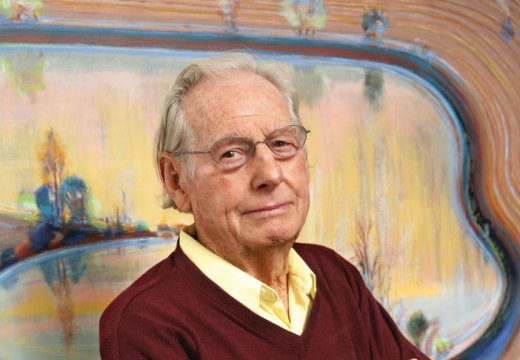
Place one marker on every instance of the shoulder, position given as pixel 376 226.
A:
pixel 329 266
pixel 164 280
pixel 140 307
pixel 138 289
pixel 319 256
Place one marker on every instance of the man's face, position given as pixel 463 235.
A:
pixel 265 201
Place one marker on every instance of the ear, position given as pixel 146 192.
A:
pixel 171 177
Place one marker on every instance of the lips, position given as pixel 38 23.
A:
pixel 267 209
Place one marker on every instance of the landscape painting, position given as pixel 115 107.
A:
pixel 394 153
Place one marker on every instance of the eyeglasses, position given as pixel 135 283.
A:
pixel 233 152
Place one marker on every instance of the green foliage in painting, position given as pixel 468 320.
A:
pixel 305 16
pixel 441 345
pixel 417 327
pixel 25 71
pixel 21 10
pixel 374 23
pixel 309 80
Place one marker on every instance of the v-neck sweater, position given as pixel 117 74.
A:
pixel 174 311
pixel 256 295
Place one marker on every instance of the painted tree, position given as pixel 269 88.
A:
pixel 44 203
pixel 507 32
pixel 7 257
pixel 306 16
pixel 374 23
pixel 371 262
pixel 21 10
pixel 417 327
pixel 229 9
pixel 52 158
pixel 373 86
pixel 441 348
pixel 74 192
pixel 367 263
pixel 310 82
pixel 58 275
pixel 25 71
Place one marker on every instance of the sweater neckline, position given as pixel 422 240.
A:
pixel 235 309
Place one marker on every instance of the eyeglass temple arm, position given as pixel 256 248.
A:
pixel 190 153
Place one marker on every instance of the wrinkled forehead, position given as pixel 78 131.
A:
pixel 234 104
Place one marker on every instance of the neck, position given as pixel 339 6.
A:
pixel 268 264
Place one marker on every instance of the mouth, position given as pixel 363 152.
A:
pixel 268 209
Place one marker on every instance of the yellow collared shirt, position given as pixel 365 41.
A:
pixel 254 294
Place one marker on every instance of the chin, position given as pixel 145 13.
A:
pixel 272 231
pixel 282 235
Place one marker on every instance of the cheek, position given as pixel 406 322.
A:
pixel 304 197
pixel 300 178
pixel 216 194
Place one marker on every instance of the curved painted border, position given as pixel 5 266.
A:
pixel 493 238
pixel 28 263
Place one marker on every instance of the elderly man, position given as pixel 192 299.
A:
pixel 230 150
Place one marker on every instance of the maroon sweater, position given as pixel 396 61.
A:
pixel 175 312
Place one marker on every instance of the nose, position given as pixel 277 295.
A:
pixel 266 170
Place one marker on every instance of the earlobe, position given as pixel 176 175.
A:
pixel 171 177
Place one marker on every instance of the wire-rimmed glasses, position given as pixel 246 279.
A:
pixel 234 151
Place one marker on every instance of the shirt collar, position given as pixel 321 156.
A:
pixel 301 275
pixel 237 283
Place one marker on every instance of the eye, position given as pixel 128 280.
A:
pixel 229 154
pixel 232 157
pixel 283 146
pixel 286 141
pixel 278 143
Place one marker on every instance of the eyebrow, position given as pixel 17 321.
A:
pixel 233 134
pixel 241 134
